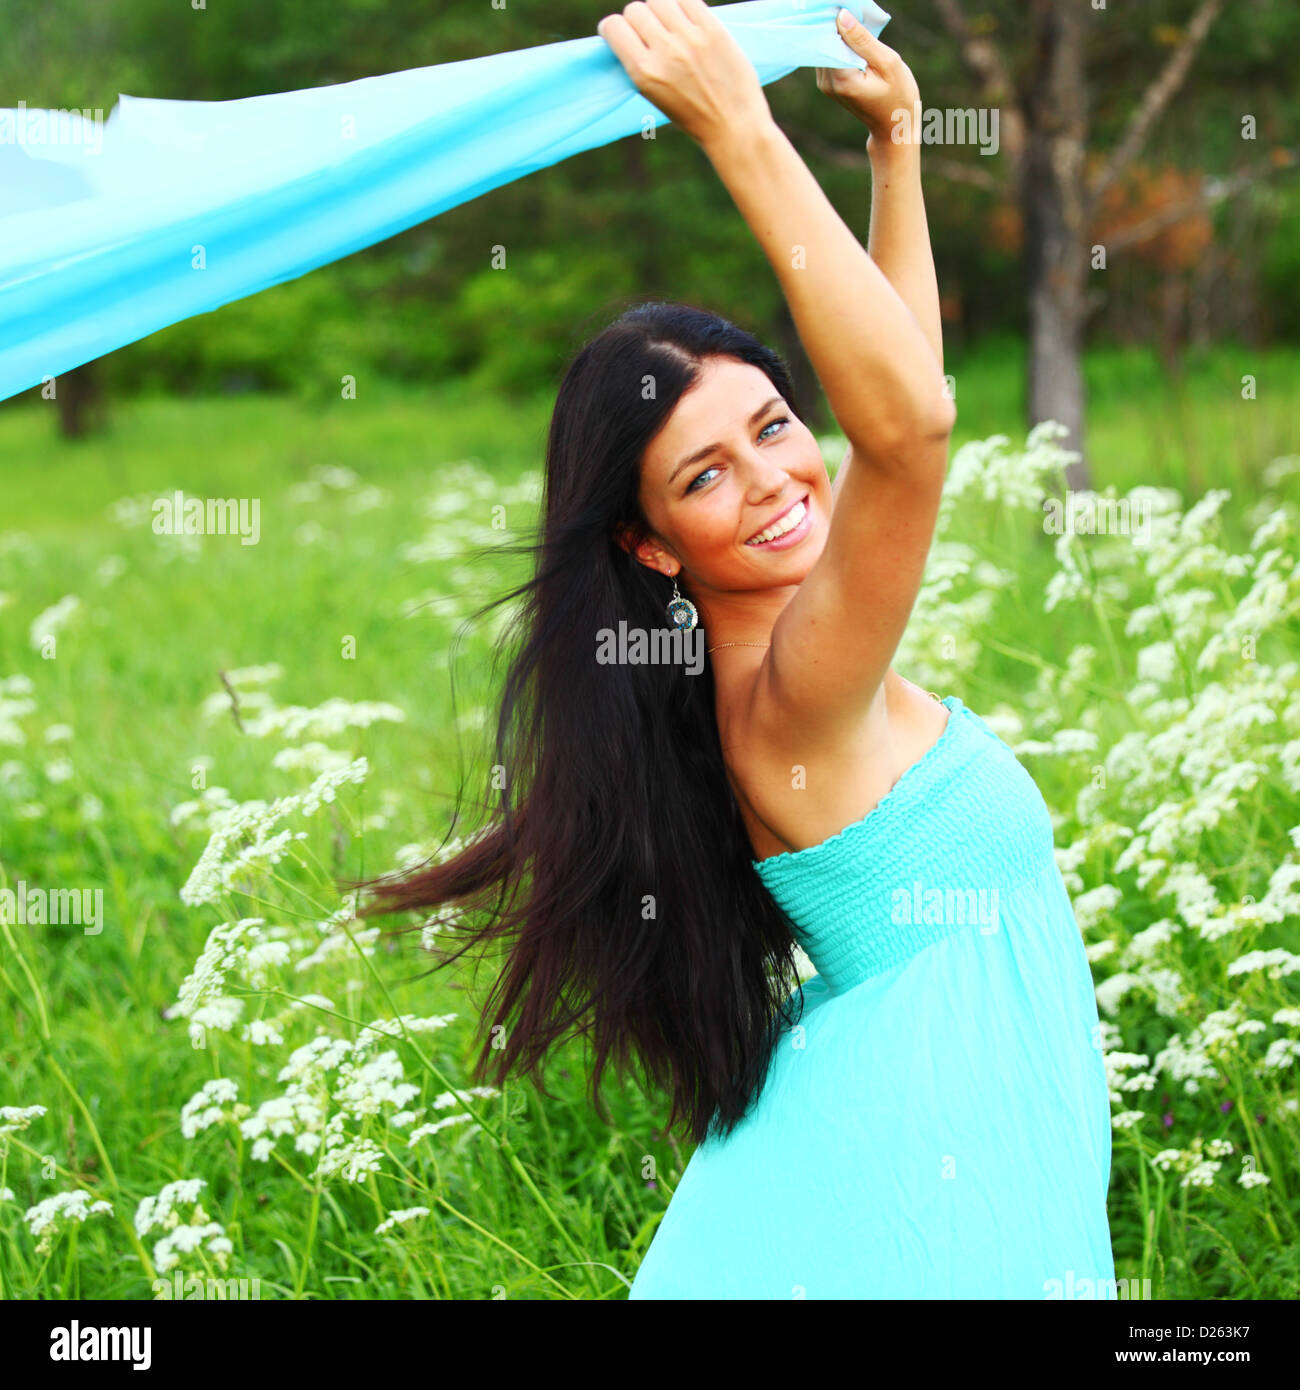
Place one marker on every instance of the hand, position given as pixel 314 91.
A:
pixel 681 57
pixel 878 95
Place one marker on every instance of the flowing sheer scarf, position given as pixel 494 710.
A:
pixel 112 230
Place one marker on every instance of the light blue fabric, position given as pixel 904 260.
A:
pixel 100 224
pixel 937 1124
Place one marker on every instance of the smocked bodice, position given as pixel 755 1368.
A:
pixel 966 820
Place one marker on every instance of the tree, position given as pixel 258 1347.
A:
pixel 1045 136
pixel 1062 193
pixel 80 397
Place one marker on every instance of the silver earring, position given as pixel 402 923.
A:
pixel 681 611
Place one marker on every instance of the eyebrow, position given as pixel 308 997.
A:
pixel 709 448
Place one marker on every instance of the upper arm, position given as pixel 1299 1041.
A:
pixel 835 639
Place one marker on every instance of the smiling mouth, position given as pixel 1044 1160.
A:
pixel 787 521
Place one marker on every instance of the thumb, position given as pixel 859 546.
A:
pixel 854 32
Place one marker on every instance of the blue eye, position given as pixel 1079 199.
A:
pixel 780 420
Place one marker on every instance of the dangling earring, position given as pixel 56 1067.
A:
pixel 681 611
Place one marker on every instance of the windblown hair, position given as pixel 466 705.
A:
pixel 622 871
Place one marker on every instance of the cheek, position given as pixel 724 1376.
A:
pixel 711 525
pixel 705 528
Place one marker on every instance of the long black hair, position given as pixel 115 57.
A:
pixel 620 864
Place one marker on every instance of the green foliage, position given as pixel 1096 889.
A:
pixel 637 218
pixel 345 489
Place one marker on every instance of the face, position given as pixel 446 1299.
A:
pixel 731 462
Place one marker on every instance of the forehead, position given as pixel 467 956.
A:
pixel 717 407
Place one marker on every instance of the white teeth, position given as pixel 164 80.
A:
pixel 788 522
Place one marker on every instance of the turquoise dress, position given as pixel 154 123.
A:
pixel 936 1124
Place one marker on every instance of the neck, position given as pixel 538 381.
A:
pixel 743 616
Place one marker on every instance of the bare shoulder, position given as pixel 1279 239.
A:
pixel 795 786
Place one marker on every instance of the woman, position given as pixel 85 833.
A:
pixel 932 1120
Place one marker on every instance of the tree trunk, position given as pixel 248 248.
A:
pixel 1056 255
pixel 646 249
pixel 80 400
pixel 1172 295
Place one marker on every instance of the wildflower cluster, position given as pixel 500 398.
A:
pixel 198 1234
pixel 1186 901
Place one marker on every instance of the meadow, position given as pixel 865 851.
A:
pixel 230 1077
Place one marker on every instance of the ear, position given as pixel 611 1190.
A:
pixel 644 549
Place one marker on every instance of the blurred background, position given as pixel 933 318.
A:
pixel 1164 133
pixel 1124 264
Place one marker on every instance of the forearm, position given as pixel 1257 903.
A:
pixel 877 365
pixel 899 238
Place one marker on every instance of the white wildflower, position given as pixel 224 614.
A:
pixel 160 1211
pixel 425 1130
pixel 16 1117
pixel 184 1239
pixel 48 1219
pixel 1158 662
pixel 52 621
pixel 400 1218
pixel 263 1033
pixel 446 1099
pixel 213 800
pixel 1277 962
pixel 363 1089
pixel 1201 1174
pixel 1144 943
pixel 1111 991
pixel 323 721
pixel 310 757
pixel 1281 1053
pixel 201 997
pixel 351 1161
pixel 409 1023
pixel 254 822
pixel 209 1106
pixel 1091 907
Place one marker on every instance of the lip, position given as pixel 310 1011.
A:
pixel 791 537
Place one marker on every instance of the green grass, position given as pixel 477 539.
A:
pixel 550 1202
pixel 1195 432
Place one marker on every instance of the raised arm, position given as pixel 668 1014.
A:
pixel 899 243
pixel 834 641
pixel 851 320
pixel 899 234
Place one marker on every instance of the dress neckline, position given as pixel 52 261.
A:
pixel 952 703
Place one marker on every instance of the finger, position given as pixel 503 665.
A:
pixel 701 14
pixel 863 41
pixel 672 16
pixel 646 23
pixel 623 39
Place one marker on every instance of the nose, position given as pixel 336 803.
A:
pixel 766 478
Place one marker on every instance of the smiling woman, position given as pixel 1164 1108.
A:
pixel 931 1118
